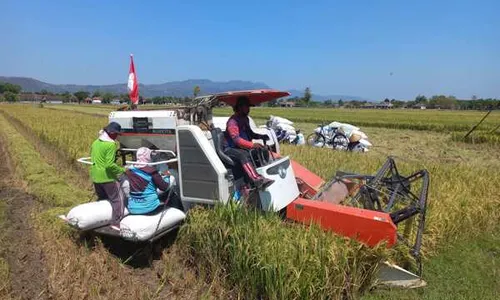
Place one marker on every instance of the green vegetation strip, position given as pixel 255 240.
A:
pixel 467 269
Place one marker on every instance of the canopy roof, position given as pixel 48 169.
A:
pixel 255 96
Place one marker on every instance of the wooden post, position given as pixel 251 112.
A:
pixel 475 126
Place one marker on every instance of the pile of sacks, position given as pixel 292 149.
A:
pixel 353 138
pixel 285 131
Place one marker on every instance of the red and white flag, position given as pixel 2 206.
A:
pixel 133 86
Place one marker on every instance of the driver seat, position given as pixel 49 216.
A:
pixel 234 169
pixel 218 138
pixel 257 159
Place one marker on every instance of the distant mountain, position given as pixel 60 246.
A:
pixel 185 88
pixel 322 98
pixel 175 88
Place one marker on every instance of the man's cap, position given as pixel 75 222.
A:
pixel 113 127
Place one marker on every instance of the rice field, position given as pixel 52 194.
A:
pixel 431 120
pixel 428 120
pixel 245 252
pixel 457 123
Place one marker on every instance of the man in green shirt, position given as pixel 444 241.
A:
pixel 105 172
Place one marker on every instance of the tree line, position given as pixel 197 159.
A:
pixel 11 93
pixel 420 101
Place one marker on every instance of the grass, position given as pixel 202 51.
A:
pixel 467 269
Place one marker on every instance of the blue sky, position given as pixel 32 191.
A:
pixel 335 47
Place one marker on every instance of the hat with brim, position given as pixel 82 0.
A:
pixel 354 138
pixel 113 127
pixel 242 101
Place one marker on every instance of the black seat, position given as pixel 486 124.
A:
pixel 218 138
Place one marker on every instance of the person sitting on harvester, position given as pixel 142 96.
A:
pixel 144 180
pixel 238 140
pixel 105 172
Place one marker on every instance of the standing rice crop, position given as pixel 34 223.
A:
pixel 70 132
pixel 260 257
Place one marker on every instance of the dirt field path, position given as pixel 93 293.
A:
pixel 28 273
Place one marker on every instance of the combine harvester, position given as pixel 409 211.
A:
pixel 188 142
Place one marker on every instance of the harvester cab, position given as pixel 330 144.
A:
pixel 188 141
pixel 194 138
